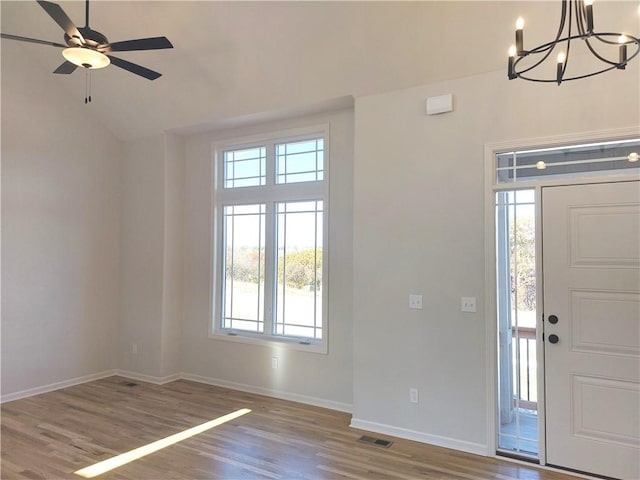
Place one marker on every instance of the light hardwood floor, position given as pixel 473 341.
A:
pixel 54 434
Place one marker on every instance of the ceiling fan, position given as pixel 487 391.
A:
pixel 89 48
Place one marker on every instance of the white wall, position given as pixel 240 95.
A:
pixel 142 255
pixel 151 246
pixel 173 255
pixel 418 228
pixel 316 378
pixel 60 231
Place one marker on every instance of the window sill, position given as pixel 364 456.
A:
pixel 288 343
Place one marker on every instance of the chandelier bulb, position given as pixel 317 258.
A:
pixel 633 157
pixel 560 66
pixel 511 68
pixel 622 55
pixel 519 36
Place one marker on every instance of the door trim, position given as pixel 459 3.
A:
pixel 490 150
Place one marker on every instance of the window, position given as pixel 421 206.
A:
pixel 572 161
pixel 516 299
pixel 270 242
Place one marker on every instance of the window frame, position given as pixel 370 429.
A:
pixel 270 194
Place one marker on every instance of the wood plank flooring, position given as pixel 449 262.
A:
pixel 54 434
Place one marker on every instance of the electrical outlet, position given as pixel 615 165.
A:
pixel 468 304
pixel 274 362
pixel 134 348
pixel 415 302
pixel 413 395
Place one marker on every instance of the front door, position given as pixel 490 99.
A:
pixel 591 287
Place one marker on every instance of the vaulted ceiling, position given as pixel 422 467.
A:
pixel 232 59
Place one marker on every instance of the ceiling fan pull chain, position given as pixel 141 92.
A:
pixel 87 86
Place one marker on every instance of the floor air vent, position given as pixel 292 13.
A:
pixel 375 441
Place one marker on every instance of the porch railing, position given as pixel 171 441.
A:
pixel 525 364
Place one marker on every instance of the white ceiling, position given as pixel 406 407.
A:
pixel 233 59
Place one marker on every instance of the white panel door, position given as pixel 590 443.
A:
pixel 591 284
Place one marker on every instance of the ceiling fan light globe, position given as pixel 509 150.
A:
pixel 85 57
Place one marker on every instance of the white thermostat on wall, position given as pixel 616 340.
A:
pixel 440 104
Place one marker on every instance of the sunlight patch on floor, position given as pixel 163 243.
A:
pixel 130 456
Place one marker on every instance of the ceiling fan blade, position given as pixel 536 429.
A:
pixel 55 11
pixel 133 68
pixel 155 43
pixel 31 40
pixel 66 68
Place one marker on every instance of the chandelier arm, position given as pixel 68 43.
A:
pixel 581 16
pixel 563 18
pixel 538 50
pixel 603 40
pixel 579 21
pixel 543 80
pixel 597 55
pixel 611 34
pixel 572 6
pixel 547 46
pixel 637 42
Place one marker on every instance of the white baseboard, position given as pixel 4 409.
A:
pixel 446 442
pixel 294 397
pixel 30 392
pixel 141 377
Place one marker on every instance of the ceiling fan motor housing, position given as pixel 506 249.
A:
pixel 92 39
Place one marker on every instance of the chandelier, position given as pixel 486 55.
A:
pixel 611 50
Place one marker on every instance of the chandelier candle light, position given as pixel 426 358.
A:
pixel 576 23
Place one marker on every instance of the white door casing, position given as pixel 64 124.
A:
pixel 591 283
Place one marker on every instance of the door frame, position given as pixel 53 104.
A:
pixel 490 151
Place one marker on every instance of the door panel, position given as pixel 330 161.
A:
pixel 594 235
pixel 591 283
pixel 622 335
pixel 591 395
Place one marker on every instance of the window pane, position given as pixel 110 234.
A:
pixel 245 168
pixel 516 300
pixel 574 160
pixel 299 276
pixel 243 286
pixel 300 161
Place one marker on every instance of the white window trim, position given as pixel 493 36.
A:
pixel 296 192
